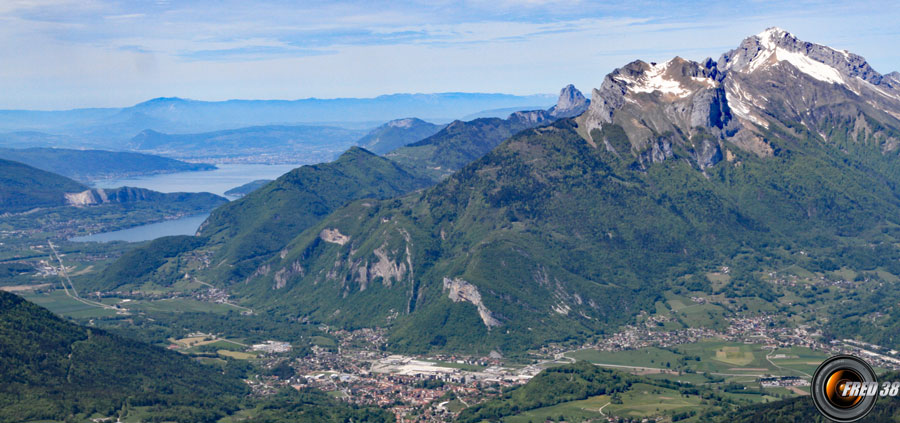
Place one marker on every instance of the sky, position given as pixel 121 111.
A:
pixel 62 54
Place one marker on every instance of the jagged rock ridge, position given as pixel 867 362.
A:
pixel 734 98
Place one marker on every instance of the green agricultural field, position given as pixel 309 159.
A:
pixel 59 303
pixel 323 341
pixel 236 354
pixel 181 305
pixel 573 411
pixel 646 357
pixel 719 358
pixel 802 360
pixel 228 345
pixel 692 378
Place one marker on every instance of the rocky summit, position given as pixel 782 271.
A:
pixel 770 75
pixel 571 103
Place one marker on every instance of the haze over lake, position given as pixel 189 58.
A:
pixel 226 177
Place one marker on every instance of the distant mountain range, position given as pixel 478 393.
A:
pixel 109 127
pixel 273 143
pixel 261 131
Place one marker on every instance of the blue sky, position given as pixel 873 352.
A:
pixel 58 54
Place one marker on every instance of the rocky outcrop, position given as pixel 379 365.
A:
pixel 333 236
pixel 285 274
pixel 571 103
pixel 459 290
pixel 389 270
pixel 659 106
pixel 530 118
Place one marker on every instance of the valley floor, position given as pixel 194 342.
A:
pixel 748 361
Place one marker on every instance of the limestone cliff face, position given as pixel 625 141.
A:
pixel 652 102
pixel 116 195
pixel 459 290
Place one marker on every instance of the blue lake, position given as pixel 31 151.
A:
pixel 184 226
pixel 226 177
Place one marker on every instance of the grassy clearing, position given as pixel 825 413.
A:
pixel 323 341
pixel 224 344
pixel 236 354
pixel 735 355
pixel 702 315
pixel 194 341
pixel 455 406
pixel 718 280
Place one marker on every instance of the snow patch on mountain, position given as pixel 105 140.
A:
pixel 656 79
pixel 771 54
pixel 740 101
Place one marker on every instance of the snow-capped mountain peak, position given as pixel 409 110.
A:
pixel 775 45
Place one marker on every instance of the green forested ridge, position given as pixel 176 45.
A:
pixel 58 371
pixel 86 165
pixel 313 406
pixel 248 231
pixel 141 264
pixel 562 239
pixel 396 134
pixel 52 369
pixel 458 144
pixel 23 187
pixel 262 222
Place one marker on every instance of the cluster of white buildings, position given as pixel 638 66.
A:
pixel 272 347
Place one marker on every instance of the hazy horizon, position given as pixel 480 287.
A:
pixel 122 106
pixel 65 54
